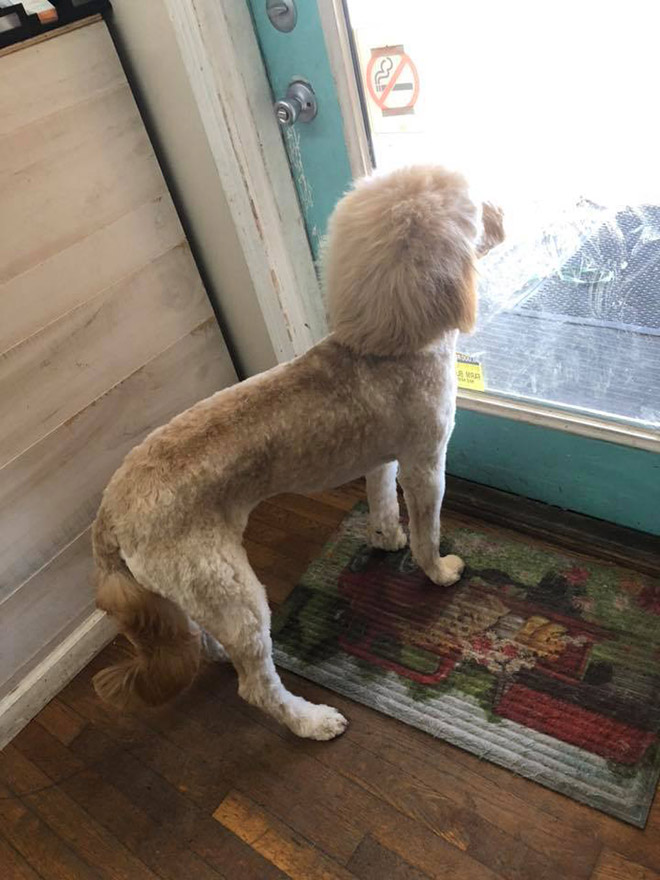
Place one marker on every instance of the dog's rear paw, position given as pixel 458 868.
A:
pixel 388 539
pixel 321 723
pixel 446 571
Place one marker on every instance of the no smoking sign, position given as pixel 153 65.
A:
pixel 392 81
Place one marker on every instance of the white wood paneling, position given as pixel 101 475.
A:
pixel 49 494
pixel 70 174
pixel 106 332
pixel 64 367
pixel 55 75
pixel 78 273
pixel 62 593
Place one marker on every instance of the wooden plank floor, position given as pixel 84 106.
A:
pixel 210 788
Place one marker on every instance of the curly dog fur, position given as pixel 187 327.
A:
pixel 376 395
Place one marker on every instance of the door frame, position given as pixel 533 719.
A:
pixel 223 62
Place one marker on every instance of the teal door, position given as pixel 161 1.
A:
pixel 563 405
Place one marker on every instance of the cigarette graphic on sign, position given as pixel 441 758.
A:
pixel 382 74
pixel 392 80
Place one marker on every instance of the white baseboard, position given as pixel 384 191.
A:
pixel 55 671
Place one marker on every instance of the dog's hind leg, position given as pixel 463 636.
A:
pixel 424 487
pixel 385 530
pixel 218 589
pixel 260 685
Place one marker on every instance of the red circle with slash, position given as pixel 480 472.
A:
pixel 390 71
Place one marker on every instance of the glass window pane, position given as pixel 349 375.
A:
pixel 549 108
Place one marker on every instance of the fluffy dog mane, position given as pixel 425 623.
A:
pixel 399 261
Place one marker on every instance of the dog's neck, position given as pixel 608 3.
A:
pixel 443 346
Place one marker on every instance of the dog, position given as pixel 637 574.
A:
pixel 375 395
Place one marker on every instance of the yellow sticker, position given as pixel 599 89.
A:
pixel 470 373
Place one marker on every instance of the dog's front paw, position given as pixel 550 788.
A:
pixel 446 570
pixel 320 722
pixel 388 539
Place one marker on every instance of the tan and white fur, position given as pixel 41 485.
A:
pixel 377 395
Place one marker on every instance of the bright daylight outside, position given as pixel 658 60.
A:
pixel 550 108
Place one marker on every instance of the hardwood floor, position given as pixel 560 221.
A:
pixel 210 788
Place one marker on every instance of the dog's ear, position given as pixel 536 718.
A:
pixel 492 234
pixel 399 261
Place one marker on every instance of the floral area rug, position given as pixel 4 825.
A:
pixel 535 660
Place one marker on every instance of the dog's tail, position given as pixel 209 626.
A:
pixel 165 650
